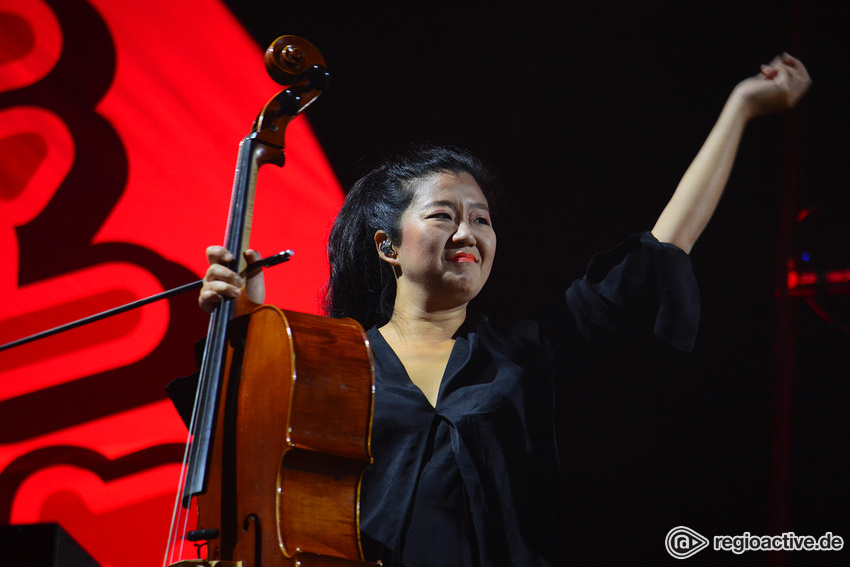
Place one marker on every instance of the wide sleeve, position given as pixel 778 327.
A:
pixel 640 283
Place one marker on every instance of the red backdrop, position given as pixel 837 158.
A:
pixel 119 124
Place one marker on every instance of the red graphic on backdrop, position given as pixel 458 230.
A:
pixel 118 135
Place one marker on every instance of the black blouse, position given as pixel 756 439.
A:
pixel 475 480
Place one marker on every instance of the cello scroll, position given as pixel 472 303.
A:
pixel 298 65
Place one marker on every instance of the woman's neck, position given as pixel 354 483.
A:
pixel 413 325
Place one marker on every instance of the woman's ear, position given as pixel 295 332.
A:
pixel 385 248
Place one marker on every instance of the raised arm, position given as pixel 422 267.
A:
pixel 777 88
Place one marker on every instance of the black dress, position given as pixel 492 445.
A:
pixel 475 480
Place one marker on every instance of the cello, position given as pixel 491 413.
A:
pixel 281 424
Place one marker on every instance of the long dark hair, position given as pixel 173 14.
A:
pixel 361 285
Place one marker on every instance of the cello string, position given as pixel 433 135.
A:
pixel 202 423
pixel 177 511
pixel 214 337
pixel 178 515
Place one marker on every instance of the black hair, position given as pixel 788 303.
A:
pixel 361 285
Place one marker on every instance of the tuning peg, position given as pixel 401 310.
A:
pixel 318 78
pixel 290 103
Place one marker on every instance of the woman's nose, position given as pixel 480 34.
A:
pixel 464 234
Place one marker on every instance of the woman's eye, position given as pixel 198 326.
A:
pixel 439 216
pixel 483 220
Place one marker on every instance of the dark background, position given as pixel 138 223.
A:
pixel 590 113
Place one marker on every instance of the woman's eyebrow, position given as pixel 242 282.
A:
pixel 453 203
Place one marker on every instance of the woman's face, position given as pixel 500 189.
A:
pixel 447 242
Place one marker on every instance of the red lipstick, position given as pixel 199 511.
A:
pixel 463 257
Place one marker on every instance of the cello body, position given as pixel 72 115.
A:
pixel 291 441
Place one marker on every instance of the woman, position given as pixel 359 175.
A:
pixel 466 468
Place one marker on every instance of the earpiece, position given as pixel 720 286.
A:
pixel 387 248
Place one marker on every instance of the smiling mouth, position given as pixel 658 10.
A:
pixel 463 257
